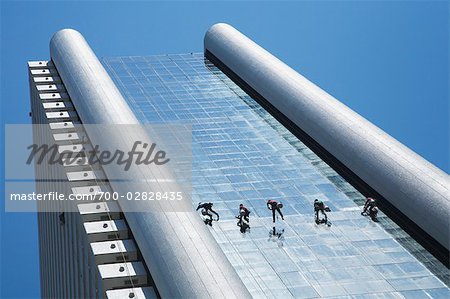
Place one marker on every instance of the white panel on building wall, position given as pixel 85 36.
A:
pixel 50 87
pixel 43 72
pixel 99 211
pixel 117 246
pixel 63 125
pixel 47 79
pixel 58 105
pixel 104 226
pixel 75 162
pixel 75 148
pixel 106 230
pixel 83 175
pixel 61 114
pixel 53 96
pixel 87 190
pixel 40 64
pixel 98 207
pixel 108 252
pixel 138 293
pixel 70 136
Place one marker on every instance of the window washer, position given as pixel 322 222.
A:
pixel 319 206
pixel 244 211
pixel 243 218
pixel 275 206
pixel 370 208
pixel 370 203
pixel 206 212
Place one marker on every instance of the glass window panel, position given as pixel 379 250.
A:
pixel 242 154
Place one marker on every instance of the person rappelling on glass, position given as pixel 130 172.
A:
pixel 207 211
pixel 274 205
pixel 243 218
pixel 319 206
pixel 370 209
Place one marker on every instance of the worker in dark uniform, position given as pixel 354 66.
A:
pixel 206 211
pixel 370 203
pixel 244 211
pixel 275 206
pixel 370 208
pixel 243 218
pixel 319 206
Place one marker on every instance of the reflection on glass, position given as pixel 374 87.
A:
pixel 241 154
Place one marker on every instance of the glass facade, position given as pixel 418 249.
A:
pixel 241 154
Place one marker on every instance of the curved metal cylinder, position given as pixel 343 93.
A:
pixel 182 256
pixel 413 185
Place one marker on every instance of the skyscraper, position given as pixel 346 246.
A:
pixel 259 131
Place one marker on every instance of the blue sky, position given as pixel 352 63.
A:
pixel 388 61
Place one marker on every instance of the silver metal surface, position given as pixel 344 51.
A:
pixel 413 185
pixel 182 256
